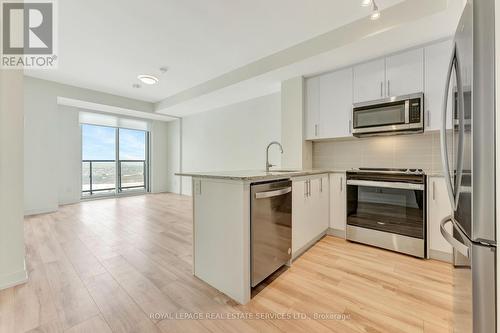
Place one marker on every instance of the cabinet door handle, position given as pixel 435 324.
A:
pixel 309 187
pixel 341 184
pixel 305 189
pixel 433 190
pixel 350 126
pixel 388 88
pixel 316 130
pixel 381 89
pixel 321 184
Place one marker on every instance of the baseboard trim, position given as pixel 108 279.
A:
pixel 14 279
pixel 336 232
pixel 306 247
pixel 441 256
pixel 39 211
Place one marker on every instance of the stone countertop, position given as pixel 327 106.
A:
pixel 256 175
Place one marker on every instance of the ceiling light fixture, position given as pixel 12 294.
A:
pixel 376 13
pixel 366 3
pixel 136 85
pixel 148 79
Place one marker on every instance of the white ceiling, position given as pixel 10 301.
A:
pixel 104 45
pixel 385 38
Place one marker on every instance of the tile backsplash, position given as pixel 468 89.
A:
pixel 399 151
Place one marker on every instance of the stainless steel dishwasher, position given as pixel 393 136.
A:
pixel 271 227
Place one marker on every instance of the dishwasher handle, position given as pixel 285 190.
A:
pixel 274 193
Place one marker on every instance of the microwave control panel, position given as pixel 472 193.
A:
pixel 415 113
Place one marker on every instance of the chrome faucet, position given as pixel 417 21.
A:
pixel 269 165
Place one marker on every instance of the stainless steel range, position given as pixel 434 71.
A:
pixel 386 208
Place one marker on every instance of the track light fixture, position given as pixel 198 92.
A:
pixel 376 13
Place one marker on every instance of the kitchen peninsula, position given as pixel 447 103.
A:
pixel 222 222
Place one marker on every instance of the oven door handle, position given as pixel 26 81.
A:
pixel 457 245
pixel 398 185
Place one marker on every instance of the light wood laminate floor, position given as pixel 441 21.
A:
pixel 107 265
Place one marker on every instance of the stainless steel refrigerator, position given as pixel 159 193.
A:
pixel 468 153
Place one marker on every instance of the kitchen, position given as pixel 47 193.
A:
pixel 401 202
pixel 331 171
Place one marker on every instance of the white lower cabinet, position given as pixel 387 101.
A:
pixel 438 208
pixel 310 210
pixel 338 203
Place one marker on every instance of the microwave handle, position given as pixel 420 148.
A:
pixel 407 111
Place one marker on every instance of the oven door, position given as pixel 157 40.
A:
pixel 390 207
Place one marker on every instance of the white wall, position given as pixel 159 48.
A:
pixel 12 266
pixel 159 157
pixel 231 138
pixel 52 142
pixel 298 153
pixel 173 160
pixel 69 155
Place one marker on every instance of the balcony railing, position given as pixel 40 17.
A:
pixel 101 176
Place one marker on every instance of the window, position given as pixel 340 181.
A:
pixel 114 160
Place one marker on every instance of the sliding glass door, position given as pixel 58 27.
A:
pixel 114 160
pixel 132 160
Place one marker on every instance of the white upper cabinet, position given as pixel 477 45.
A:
pixel 405 73
pixel 437 58
pixel 329 97
pixel 335 104
pixel 369 81
pixel 312 108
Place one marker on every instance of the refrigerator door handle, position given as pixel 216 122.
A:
pixel 444 144
pixel 454 62
pixel 461 126
pixel 457 245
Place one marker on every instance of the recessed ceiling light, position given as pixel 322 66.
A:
pixel 164 69
pixel 366 3
pixel 136 85
pixel 148 79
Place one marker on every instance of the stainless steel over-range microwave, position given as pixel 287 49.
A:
pixel 393 115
